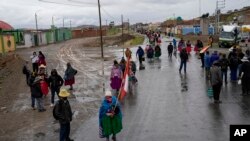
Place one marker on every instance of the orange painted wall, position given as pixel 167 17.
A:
pixel 9 43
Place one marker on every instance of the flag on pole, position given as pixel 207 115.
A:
pixel 124 88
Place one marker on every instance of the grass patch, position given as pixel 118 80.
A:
pixel 138 40
pixel 113 31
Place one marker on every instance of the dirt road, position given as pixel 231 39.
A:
pixel 19 122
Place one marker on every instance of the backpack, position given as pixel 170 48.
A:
pixel 234 62
pixel 54 110
pixel 224 64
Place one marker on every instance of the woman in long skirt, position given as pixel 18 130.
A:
pixel 116 77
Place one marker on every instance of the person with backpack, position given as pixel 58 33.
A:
pixel 233 67
pixel 184 59
pixel 170 50
pixel 55 82
pixel 37 93
pixel 116 77
pixel 62 112
pixel 110 117
pixel 224 63
pixel 216 81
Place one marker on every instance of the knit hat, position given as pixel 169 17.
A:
pixel 64 93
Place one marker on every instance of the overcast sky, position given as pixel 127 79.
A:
pixel 20 13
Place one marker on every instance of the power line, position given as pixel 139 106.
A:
pixel 76 1
pixel 67 4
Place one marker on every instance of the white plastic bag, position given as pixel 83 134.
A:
pixel 239 82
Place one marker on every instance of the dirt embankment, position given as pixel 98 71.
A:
pixel 10 81
pixel 108 41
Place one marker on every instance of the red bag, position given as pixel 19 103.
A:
pixel 44 87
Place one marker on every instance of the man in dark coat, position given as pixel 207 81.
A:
pixel 62 112
pixel 245 77
pixel 170 50
pixel 55 82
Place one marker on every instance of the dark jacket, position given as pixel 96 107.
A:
pixel 140 52
pixel 55 81
pixel 246 70
pixel 224 63
pixel 35 88
pixel 170 48
pixel 184 56
pixel 63 111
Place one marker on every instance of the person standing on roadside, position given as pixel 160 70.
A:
pixel 224 63
pixel 62 112
pixel 34 60
pixel 245 76
pixel 26 71
pixel 37 93
pixel 69 76
pixel 55 82
pixel 184 59
pixel 216 81
pixel 170 50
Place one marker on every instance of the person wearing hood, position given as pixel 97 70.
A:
pixel 69 76
pixel 245 75
pixel 110 117
pixel 41 59
pixel 216 81
pixel 55 82
pixel 214 57
pixel 37 93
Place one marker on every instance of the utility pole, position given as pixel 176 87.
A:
pixel 122 35
pixel 63 22
pixel 52 21
pixel 220 4
pixel 70 24
pixel 199 8
pixel 174 23
pixel 128 26
pixel 36 30
pixel 100 22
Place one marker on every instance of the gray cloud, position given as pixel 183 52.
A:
pixel 20 13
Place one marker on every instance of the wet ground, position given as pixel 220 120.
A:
pixel 168 106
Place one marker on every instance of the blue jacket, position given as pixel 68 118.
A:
pixel 207 61
pixel 140 52
pixel 214 58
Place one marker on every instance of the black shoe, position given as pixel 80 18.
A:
pixel 69 139
pixel 42 110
